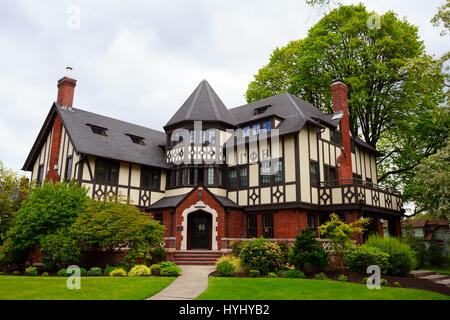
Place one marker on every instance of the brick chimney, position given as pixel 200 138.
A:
pixel 66 88
pixel 339 91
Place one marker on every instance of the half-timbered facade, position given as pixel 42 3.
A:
pixel 216 175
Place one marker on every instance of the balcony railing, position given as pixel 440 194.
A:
pixel 356 191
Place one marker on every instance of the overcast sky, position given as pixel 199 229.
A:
pixel 139 60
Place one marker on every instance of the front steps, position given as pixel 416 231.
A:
pixel 194 257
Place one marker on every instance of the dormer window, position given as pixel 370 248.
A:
pixel 98 130
pixel 261 110
pixel 136 139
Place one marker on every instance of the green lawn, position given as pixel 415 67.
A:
pixel 92 288
pixel 305 289
pixel 443 270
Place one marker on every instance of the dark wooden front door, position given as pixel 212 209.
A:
pixel 199 231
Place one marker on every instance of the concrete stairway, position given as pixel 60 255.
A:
pixel 193 257
pixel 432 276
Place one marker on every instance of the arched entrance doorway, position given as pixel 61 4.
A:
pixel 199 231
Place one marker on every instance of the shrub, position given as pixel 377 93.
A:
pixel 383 282
pixel 308 251
pixel 359 259
pixel 83 272
pixel 59 250
pixel 171 271
pixel 95 272
pixel 225 268
pixel 159 254
pixel 31 271
pixel 434 255
pixel 44 274
pixel 285 251
pixel 418 247
pixel 16 272
pixel 262 255
pixel 401 256
pixel 320 276
pixel 343 278
pixel 364 280
pixel 139 271
pixel 239 268
pixel 397 284
pixel 294 274
pixel 62 273
pixel 108 270
pixel 272 275
pixel 139 255
pixel 236 248
pixel 118 273
pixel 155 269
pixel 2 273
pixel 254 273
pixel 166 264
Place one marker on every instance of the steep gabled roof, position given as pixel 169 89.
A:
pixel 117 145
pixel 205 105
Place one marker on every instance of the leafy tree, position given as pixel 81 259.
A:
pixel 113 224
pixel 14 189
pixel 49 208
pixel 443 16
pixel 60 250
pixel 371 61
pixel 430 185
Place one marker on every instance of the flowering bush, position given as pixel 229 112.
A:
pixel 139 255
pixel 262 255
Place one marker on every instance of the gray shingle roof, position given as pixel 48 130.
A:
pixel 117 144
pixel 174 201
pixel 205 105
pixel 293 110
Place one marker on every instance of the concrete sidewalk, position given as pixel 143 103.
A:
pixel 188 286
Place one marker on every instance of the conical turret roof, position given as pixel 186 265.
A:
pixel 203 104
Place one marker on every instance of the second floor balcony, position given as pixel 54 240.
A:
pixel 356 192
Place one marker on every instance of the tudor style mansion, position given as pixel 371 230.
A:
pixel 209 192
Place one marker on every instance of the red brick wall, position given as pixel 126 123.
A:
pixel 289 223
pixel 237 224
